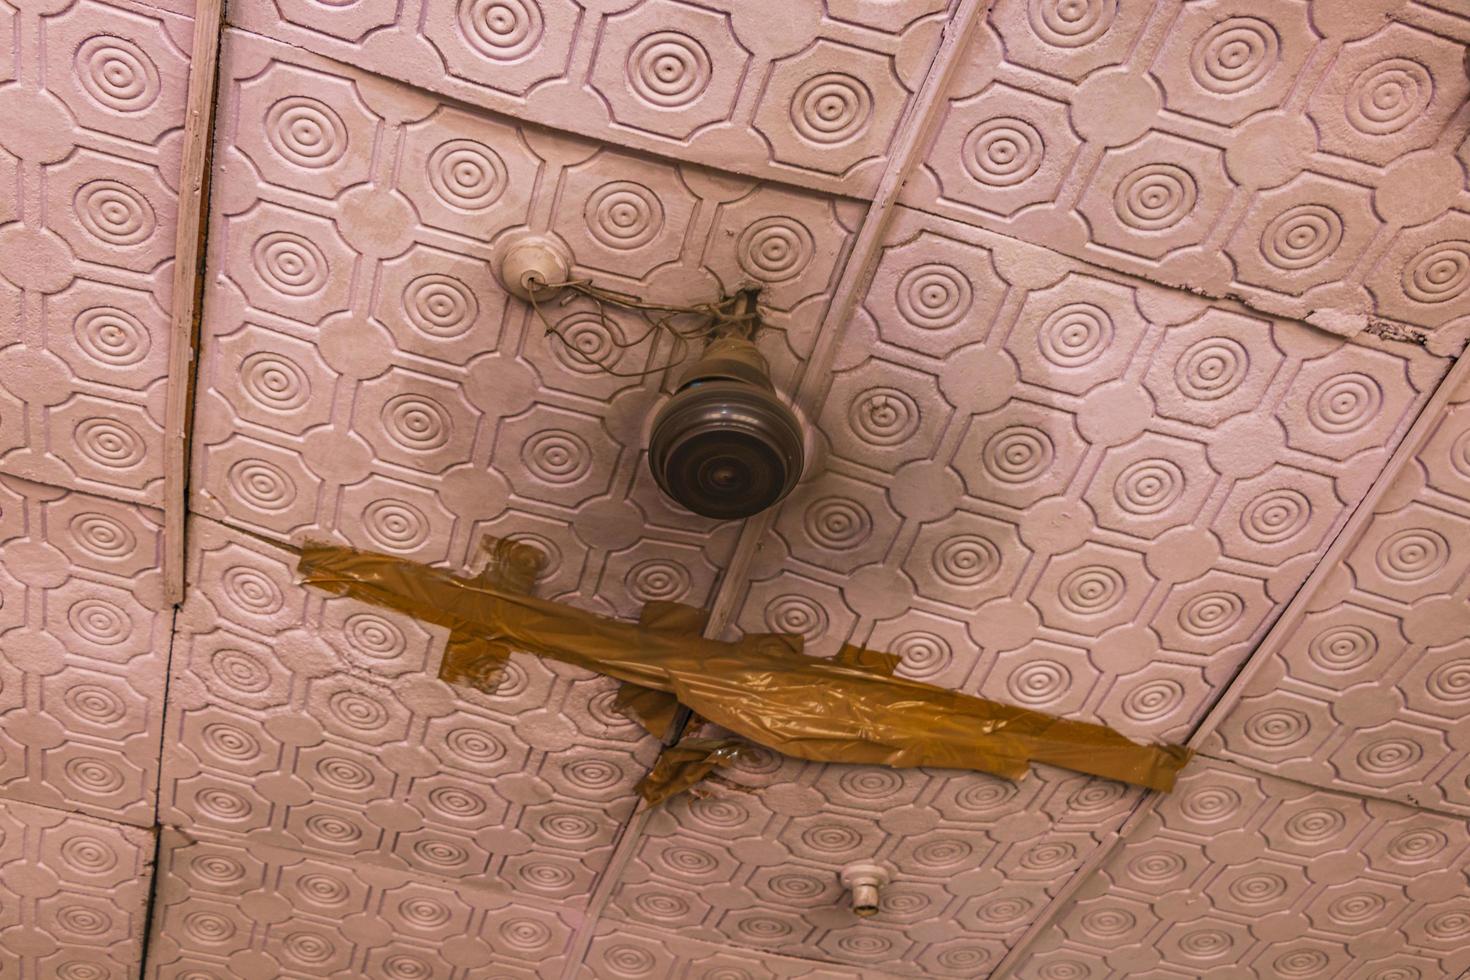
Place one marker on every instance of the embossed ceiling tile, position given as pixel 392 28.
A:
pixel 85 645
pixel 92 161
pixel 1041 482
pixel 228 908
pixel 365 378
pixel 811 98
pixel 1368 691
pixel 1297 156
pixel 316 723
pixel 75 894
pixel 757 866
pixel 1247 874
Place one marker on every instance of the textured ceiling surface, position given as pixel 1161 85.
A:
pixel 1125 336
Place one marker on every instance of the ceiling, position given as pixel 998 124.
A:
pixel 1125 335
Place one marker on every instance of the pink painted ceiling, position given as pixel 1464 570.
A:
pixel 1125 335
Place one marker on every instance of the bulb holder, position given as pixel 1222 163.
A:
pixel 530 263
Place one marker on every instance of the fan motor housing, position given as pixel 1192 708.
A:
pixel 725 446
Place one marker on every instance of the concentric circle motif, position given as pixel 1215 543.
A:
pixel 1356 907
pixel 629 961
pixel 116 73
pixel 1390 756
pixel 1048 856
pixel 1075 335
pixel 1276 516
pixel 290 264
pixel 357 710
pixel 1107 923
pixel 1002 152
pixel 1148 486
pixel 467 174
pixel 474 746
pixel 240 671
pixel 1154 867
pixel 82 920
pixel 209 928
pixel 661 905
pixel 1018 454
pixel 1071 23
pixel 99 621
pixel 1038 682
pixel 1301 963
pixel 1211 803
pixel 1342 648
pixel 831 108
pixel 1450 681
pixel 1276 728
pixel 344 774
pixel 933 296
pixel 455 803
pixel 111 336
pixel 501 30
pixel 884 416
pixel 966 560
pixel 796 887
pixel 837 523
pixel 261 484
pixel 1300 237
pixel 942 853
pixel 719 814
pixel 230 742
pixel 1211 613
pixel 1316 824
pixel 332 830
pixel 406 966
pixel 1234 54
pixel 1063 970
pixel 1211 368
pixel 95 705
pixel 1389 96
pixel 1449 926
pixel 1261 888
pixel 1419 844
pixel 416 422
pixel 109 443
pixel 983 795
pixel 545 875
pixel 923 654
pixel 217 869
pixel 1439 273
pixel 588 343
pixel 870 783
pixel 1345 403
pixel 831 838
pixel 308 947
pixel 557 457
pixel 796 614
pixel 658 580
pixel 306 132
pixel 623 215
pixel 1091 590
pixel 274 382
pixel 1153 699
pixel 592 774
pixel 440 306
pixel 323 889
pixel 114 213
pixel 668 70
pixel 1412 555
pixel 1096 797
pixel 1205 943
pixel 93 776
pixel 775 249
pixel 395 524
pixel 1155 197
pixel 102 535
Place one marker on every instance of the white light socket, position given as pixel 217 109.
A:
pixel 531 263
pixel 864 880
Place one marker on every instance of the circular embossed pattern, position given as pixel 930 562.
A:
pixel 456 803
pixel 1315 825
pixel 668 69
pixel 623 215
pixel 1345 403
pixel 658 580
pixel 1234 54
pixel 99 621
pixel 406 966
pixel 501 30
pixel 796 614
pixel 217 869
pixel 209 928
pixel 109 443
pixel 1148 486
pixel 831 108
pixel 557 457
pixel 395 524
pixel 942 854
pixel 274 382
pixel 775 249
pixel 1155 197
pixel 933 296
pixel 1071 23
pixel 1342 648
pixel 466 174
pixel 1153 700
pixel 111 336
pixel 1018 454
pixel 102 535
pixel 1002 152
pixel 837 523
pixel 831 838
pixel 1038 682
pixel 357 710
pixel 1154 867
pixel 1450 681
pixel 1420 844
pixel 1091 590
pixel 1261 888
pixel 966 560
pixel 94 704
pixel 1412 555
pixel 230 742
pixel 94 776
pixel 1075 335
pixel 884 417
pixel 1276 516
pixel 1209 804
pixel 1064 970
pixel 306 132
pixel 332 830
pixel 1107 923
pixel 117 73
pixel 114 213
pixel 924 654
pixel 290 264
pixel 1356 907
pixel 1211 613
pixel 1389 96
pixel 308 947
pixel 1302 236
pixel 222 804
pixel 1301 963
pixel 1439 273
pixel 262 485
pixel 589 342
pixel 440 306
pixel 252 590
pixel 1211 368
pixel 474 746
pixel 629 961
pixel 1276 728
pixel 593 775
pixel 343 774
pixel 240 671
pixel 416 423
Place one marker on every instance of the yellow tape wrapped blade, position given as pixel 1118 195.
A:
pixel 685 763
pixel 805 707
